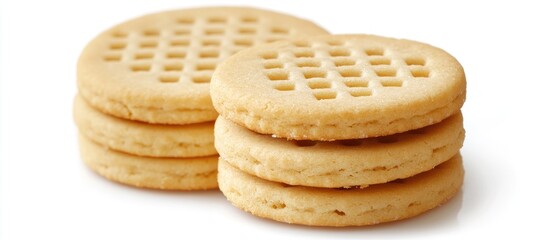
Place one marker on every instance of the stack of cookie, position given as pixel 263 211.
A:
pixel 339 130
pixel 144 111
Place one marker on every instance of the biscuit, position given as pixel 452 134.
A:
pixel 154 140
pixel 341 207
pixel 157 68
pixel 338 87
pixel 339 163
pixel 158 173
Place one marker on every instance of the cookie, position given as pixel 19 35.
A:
pixel 157 68
pixel 338 87
pixel 154 140
pixel 341 207
pixel 146 172
pixel 337 164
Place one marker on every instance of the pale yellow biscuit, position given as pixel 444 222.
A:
pixel 194 140
pixel 341 207
pixel 158 173
pixel 338 87
pixel 339 163
pixel 157 68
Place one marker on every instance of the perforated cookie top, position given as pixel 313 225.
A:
pixel 339 87
pixel 157 68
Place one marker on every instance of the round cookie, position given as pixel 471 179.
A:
pixel 339 163
pixel 154 140
pixel 341 207
pixel 146 172
pixel 338 87
pixel 157 68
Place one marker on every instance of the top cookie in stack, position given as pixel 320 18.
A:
pixel 339 87
pixel 156 68
pixel 144 109
pixel 369 129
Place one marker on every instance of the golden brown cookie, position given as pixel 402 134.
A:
pixel 154 140
pixel 344 163
pixel 338 87
pixel 157 68
pixel 342 207
pixel 198 173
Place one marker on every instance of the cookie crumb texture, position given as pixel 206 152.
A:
pixel 146 172
pixel 157 68
pixel 338 87
pixel 392 201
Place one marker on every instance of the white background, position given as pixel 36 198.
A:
pixel 47 193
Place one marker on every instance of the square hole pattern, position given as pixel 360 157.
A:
pixel 336 69
pixel 190 48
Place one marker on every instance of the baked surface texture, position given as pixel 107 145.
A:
pixel 341 207
pixel 338 87
pixel 145 172
pixel 157 68
pixel 138 138
pixel 345 163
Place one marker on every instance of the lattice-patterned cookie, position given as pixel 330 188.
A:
pixel 157 68
pixel 338 87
